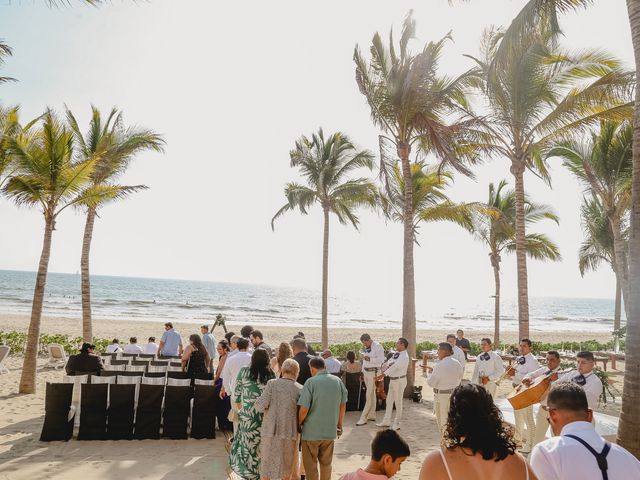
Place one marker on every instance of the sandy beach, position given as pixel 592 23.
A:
pixel 22 456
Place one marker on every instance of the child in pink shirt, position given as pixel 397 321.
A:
pixel 388 451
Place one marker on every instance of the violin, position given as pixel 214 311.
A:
pixel 380 393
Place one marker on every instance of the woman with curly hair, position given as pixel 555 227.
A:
pixel 284 351
pixel 477 443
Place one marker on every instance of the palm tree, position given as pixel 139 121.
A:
pixel 598 246
pixel 5 51
pixel 9 127
pixel 49 178
pixel 416 109
pixel 540 95
pixel 495 226
pixel 114 147
pixel 327 163
pixel 603 164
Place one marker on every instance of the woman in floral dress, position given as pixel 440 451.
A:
pixel 245 449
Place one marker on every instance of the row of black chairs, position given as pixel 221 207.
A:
pixel 149 356
pixel 162 411
pixel 124 373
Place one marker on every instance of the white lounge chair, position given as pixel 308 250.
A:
pixel 4 354
pixel 57 357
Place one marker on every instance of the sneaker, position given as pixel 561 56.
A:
pixel 382 425
pixel 359 423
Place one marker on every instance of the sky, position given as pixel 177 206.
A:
pixel 231 86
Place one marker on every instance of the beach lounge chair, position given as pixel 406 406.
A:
pixel 58 413
pixel 4 354
pixel 121 411
pixel 203 415
pixel 177 409
pixel 57 357
pixel 93 412
pixel 149 412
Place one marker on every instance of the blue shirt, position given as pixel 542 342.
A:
pixel 172 341
pixel 322 395
pixel 209 342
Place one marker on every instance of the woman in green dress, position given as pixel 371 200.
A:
pixel 245 449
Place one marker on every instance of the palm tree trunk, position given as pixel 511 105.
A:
pixel 496 326
pixel 620 258
pixel 618 305
pixel 629 429
pixel 517 169
pixel 28 377
pixel 408 282
pixel 87 328
pixel 325 280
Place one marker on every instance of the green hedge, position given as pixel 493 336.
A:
pixel 18 342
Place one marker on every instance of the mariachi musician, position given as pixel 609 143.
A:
pixel 551 370
pixel 526 363
pixel 488 369
pixel 443 377
pixel 396 369
pixel 372 358
pixel 585 377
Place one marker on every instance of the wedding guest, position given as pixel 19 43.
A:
pixel 83 362
pixel 195 359
pixel 301 356
pixel 245 332
pixel 223 405
pixel 333 365
pixel 151 348
pixel 171 342
pixel 228 335
pixel 257 340
pixel 351 365
pixel 133 346
pixel 232 368
pixel 463 343
pixel 388 451
pixel 310 350
pixel 478 444
pixel 322 408
pixel 251 382
pixel 278 402
pixel 578 452
pixel 458 353
pixel 284 352
pixel 209 342
pixel 114 347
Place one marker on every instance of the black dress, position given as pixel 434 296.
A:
pixel 196 365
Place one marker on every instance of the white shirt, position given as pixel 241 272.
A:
pixel 530 365
pixel 333 365
pixel 593 387
pixel 133 348
pixel 376 356
pixel 113 348
pixel 458 354
pixel 538 373
pixel 397 365
pixel 492 368
pixel 151 348
pixel 231 368
pixel 447 374
pixel 563 458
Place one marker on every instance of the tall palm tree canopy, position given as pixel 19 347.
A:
pixel 5 51
pixel 47 175
pixel 495 225
pixel 603 163
pixel 9 128
pixel 430 202
pixel 597 246
pixel 113 147
pixel 326 164
pixel 544 94
pixel 411 102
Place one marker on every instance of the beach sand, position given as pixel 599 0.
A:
pixel 22 456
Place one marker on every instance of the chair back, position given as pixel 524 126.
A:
pixel 139 363
pixel 179 382
pixel 109 373
pixel 153 380
pixel 111 379
pixel 129 355
pixel 120 362
pixel 128 380
pixel 157 369
pixel 136 368
pixel 149 356
pixel 199 381
pixel 159 363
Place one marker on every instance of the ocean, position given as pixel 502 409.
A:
pixel 153 299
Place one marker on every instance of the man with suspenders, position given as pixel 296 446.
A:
pixel 578 452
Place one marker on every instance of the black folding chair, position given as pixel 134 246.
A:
pixel 356 391
pixel 168 357
pixel 175 364
pixel 130 374
pixel 203 415
pixel 130 355
pixel 93 412
pixel 148 356
pixel 203 376
pixel 119 362
pixel 178 375
pixel 139 363
pixel 57 426
pixel 149 412
pixel 159 363
pixel 110 373
pixel 121 411
pixel 177 406
pixel 155 374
